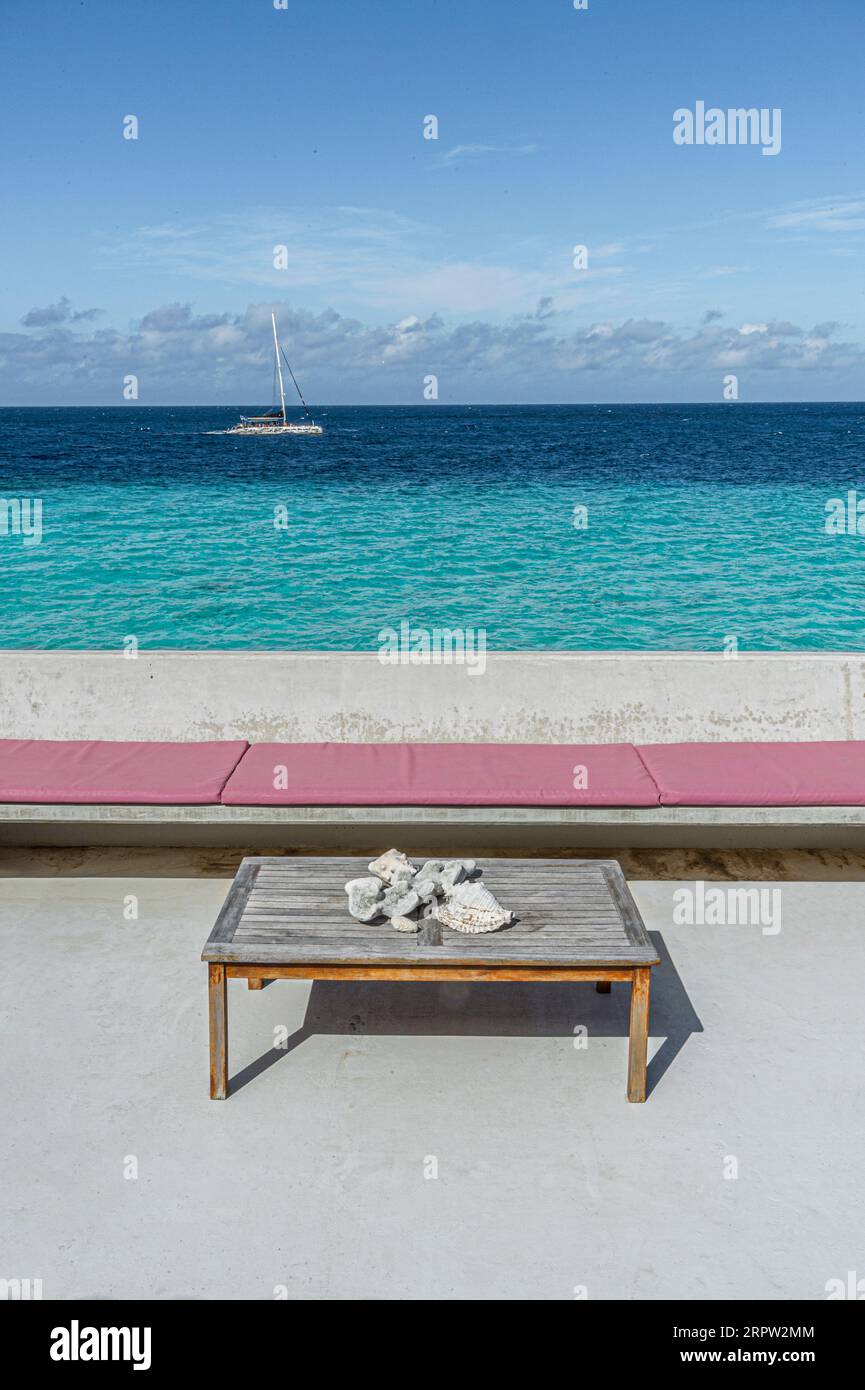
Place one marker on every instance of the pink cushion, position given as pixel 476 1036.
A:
pixel 757 774
pixel 93 772
pixel 439 774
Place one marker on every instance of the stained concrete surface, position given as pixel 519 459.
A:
pixel 315 1176
pixel 536 697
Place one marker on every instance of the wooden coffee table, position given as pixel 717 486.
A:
pixel 287 919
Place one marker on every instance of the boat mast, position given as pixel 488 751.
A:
pixel 278 368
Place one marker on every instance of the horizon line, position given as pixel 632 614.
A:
pixel 431 406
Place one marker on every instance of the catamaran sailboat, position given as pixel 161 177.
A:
pixel 276 421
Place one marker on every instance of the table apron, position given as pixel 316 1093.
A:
pixel 312 971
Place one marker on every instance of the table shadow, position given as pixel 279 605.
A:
pixel 490 1009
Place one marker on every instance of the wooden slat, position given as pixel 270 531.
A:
pixel 334 930
pixel 234 905
pixel 452 951
pixel 625 905
pixel 533 926
pixel 491 941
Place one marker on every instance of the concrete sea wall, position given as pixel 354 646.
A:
pixel 542 697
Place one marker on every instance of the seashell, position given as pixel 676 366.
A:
pixel 392 863
pixel 471 907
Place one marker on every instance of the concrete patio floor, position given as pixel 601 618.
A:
pixel 315 1179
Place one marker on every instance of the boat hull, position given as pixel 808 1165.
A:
pixel 275 429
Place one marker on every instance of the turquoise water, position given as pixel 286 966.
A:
pixel 703 522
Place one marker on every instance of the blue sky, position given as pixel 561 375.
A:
pixel 303 127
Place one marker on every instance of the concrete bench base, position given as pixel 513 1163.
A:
pixel 431 828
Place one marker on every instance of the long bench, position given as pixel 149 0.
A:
pixel 814 792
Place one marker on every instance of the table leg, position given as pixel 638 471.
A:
pixel 603 986
pixel 218 1011
pixel 639 1039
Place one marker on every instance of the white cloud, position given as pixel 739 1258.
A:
pixel 180 355
pixel 334 248
pixel 372 260
pixel 845 214
pixel 473 151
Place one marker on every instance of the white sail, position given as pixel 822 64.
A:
pixel 278 368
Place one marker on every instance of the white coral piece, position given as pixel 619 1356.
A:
pixel 392 864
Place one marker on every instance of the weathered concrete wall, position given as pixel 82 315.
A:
pixel 541 697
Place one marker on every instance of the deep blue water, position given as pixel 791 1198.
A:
pixel 704 521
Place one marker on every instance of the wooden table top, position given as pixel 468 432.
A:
pixel 569 913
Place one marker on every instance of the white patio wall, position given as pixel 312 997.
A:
pixel 540 697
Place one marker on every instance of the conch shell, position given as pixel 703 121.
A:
pixel 470 907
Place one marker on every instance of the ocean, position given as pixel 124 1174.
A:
pixel 638 527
